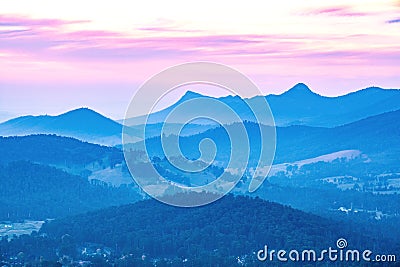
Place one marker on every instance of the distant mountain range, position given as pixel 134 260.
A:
pixel 297 106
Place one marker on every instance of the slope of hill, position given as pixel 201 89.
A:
pixel 76 157
pixel 378 136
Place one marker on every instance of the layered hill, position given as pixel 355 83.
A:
pixel 297 106
pixel 377 135
pixel 84 124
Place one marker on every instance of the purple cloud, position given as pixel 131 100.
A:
pixel 340 11
pixel 393 21
pixel 163 29
pixel 8 20
pixel 40 40
pixel 33 41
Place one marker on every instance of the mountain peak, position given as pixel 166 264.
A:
pixel 81 110
pixel 299 89
pixel 190 95
pixel 82 113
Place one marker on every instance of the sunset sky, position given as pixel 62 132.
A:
pixel 60 55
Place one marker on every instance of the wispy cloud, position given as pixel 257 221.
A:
pixel 36 37
pixel 393 21
pixel 33 46
pixel 341 11
pixel 14 20
pixel 168 29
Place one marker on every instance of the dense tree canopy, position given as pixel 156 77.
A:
pixel 34 191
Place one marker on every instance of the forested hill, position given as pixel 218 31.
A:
pixel 228 227
pixel 52 149
pixel 34 191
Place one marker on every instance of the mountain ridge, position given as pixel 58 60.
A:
pixel 297 106
pixel 300 105
pixel 299 87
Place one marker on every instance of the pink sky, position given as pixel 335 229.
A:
pixel 64 55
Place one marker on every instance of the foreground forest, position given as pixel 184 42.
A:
pixel 225 231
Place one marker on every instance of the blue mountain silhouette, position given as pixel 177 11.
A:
pixel 299 106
